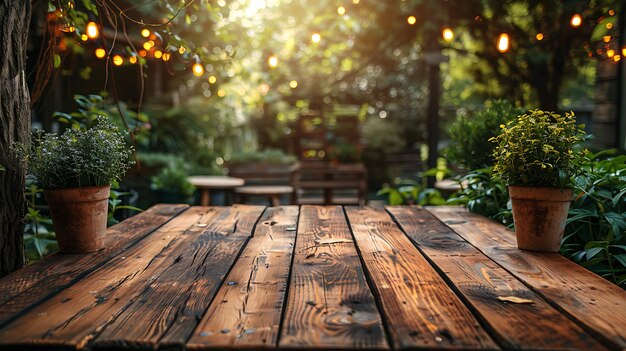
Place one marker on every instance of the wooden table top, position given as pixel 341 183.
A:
pixel 310 278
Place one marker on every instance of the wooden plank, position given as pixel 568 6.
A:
pixel 329 303
pixel 170 307
pixel 596 304
pixel 420 310
pixel 39 281
pixel 77 314
pixel 519 318
pixel 247 309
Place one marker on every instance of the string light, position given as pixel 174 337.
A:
pixel 197 69
pixel 610 53
pixel 539 36
pixel 341 10
pixel 100 52
pixel 609 25
pixel 181 50
pixel 212 79
pixel 272 61
pixel 166 56
pixel 84 37
pixel 158 54
pixel 576 20
pixel 118 60
pixel 145 33
pixel 132 59
pixel 606 38
pixel 293 84
pixel 92 30
pixel 411 20
pixel 316 37
pixel 617 58
pixel 503 42
pixel 611 12
pixel 447 34
pixel 624 51
pixel 148 45
pixel 221 93
pixel 143 53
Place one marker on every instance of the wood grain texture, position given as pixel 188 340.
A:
pixel 329 303
pixel 169 308
pixel 519 318
pixel 41 280
pixel 595 303
pixel 77 314
pixel 420 310
pixel 247 309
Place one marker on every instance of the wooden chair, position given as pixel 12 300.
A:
pixel 268 181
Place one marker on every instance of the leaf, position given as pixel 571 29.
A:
pixel 590 253
pixel 618 197
pixel 515 299
pixel 57 60
pixel 621 259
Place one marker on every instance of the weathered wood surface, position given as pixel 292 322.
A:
pixel 519 318
pixel 247 309
pixel 593 302
pixel 39 281
pixel 310 277
pixel 420 310
pixel 80 313
pixel 329 304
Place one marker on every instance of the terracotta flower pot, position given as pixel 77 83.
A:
pixel 79 216
pixel 540 215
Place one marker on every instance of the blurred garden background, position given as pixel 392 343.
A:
pixel 409 91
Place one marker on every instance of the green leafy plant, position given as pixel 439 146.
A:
pixel 595 235
pixel 409 192
pixel 96 156
pixel 116 204
pixel 267 156
pixel 39 237
pixel 537 150
pixel 469 133
pixel 173 179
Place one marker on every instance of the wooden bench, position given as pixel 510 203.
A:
pixel 319 182
pixel 268 181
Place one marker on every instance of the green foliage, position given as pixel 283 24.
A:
pixel 173 179
pixel 537 150
pixel 115 204
pixel 39 237
pixel 267 156
pixel 408 192
pixel 595 235
pixel 382 135
pixel 483 194
pixel 469 134
pixel 96 156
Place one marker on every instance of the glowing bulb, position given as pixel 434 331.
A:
pixel 576 21
pixel 84 37
pixel 166 56
pixel 100 52
pixel 197 69
pixel 447 34
pixel 503 42
pixel 221 93
pixel 148 45
pixel 143 53
pixel 411 20
pixel 92 30
pixel 617 58
pixel 145 33
pixel 181 50
pixel 539 36
pixel 609 25
pixel 624 51
pixel 132 59
pixel 316 37
pixel 341 10
pixel 212 79
pixel 158 54
pixel 118 60
pixel 272 61
pixel 293 84
pixel 611 12
pixel 610 53
pixel 606 38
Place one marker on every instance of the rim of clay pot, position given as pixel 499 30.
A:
pixel 540 193
pixel 85 194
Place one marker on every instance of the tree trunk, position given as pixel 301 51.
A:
pixel 14 127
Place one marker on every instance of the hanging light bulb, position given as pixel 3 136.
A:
pixel 132 59
pixel 539 36
pixel 118 60
pixel 197 69
pixel 447 34
pixel 576 21
pixel 166 56
pixel 100 52
pixel 92 30
pixel 145 32
pixel 503 42
pixel 84 37
pixel 158 54
pixel 272 61
pixel 411 20
pixel 610 53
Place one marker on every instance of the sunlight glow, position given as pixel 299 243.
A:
pixel 503 42
pixel 293 84
pixel 272 61
pixel 316 37
pixel 212 79
pixel 341 10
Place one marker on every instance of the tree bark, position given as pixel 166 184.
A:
pixel 14 128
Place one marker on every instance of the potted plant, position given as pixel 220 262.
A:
pixel 534 156
pixel 76 170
